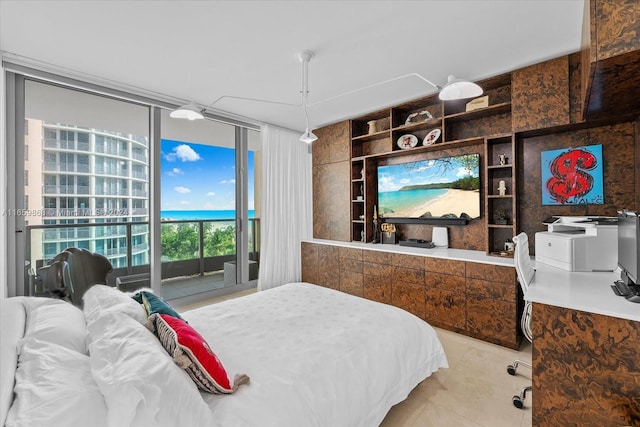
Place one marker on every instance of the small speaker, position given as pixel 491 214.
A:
pixel 440 237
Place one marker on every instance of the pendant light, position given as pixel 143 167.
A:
pixel 305 57
pixel 189 111
pixel 459 89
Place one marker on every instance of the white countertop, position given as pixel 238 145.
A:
pixel 446 253
pixel 584 291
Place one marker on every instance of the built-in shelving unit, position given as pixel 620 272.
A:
pixel 374 137
pixel 500 169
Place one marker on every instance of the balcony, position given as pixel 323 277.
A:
pixel 194 253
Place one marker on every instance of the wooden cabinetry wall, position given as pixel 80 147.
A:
pixel 611 58
pixel 331 181
pixel 479 300
pixel 541 120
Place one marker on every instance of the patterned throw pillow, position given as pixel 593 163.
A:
pixel 155 304
pixel 191 352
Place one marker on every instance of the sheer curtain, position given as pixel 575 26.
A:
pixel 286 217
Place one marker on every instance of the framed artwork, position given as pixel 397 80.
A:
pixel 572 176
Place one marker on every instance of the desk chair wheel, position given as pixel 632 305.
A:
pixel 517 402
pixel 511 370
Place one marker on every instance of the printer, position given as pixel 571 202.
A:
pixel 576 243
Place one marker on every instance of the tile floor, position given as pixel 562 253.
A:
pixel 184 286
pixel 475 391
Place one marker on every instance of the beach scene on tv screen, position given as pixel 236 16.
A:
pixel 448 187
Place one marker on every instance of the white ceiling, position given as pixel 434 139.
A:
pixel 209 51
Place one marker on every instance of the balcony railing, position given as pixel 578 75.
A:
pixel 117 241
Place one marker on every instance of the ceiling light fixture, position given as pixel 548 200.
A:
pixel 305 57
pixel 189 111
pixel 458 89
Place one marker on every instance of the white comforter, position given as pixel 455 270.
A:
pixel 316 357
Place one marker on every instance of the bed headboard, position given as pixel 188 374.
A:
pixel 12 324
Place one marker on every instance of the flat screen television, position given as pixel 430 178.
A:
pixel 439 189
pixel 628 246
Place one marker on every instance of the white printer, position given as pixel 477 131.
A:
pixel 576 243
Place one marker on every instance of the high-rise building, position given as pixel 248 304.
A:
pixel 75 175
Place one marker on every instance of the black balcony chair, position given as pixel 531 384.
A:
pixel 70 273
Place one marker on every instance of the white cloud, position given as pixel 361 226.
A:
pixel 183 153
pixel 184 202
pixel 385 183
pixel 228 181
pixel 182 190
pixel 175 172
pixel 462 172
pixel 211 193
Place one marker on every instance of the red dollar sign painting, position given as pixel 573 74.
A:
pixel 569 177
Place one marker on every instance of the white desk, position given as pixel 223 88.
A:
pixel 584 291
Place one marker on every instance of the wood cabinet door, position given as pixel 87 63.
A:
pixel 540 95
pixel 309 257
pixel 446 308
pixel 492 320
pixel 377 288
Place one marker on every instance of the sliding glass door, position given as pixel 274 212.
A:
pixel 84 167
pixel 85 179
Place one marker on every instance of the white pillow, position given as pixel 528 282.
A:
pixel 141 384
pixel 100 299
pixel 54 387
pixel 57 322
pixel 13 319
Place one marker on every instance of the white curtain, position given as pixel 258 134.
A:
pixel 286 217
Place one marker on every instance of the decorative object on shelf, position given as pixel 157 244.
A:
pixel 362 173
pixel 572 176
pixel 362 190
pixel 477 103
pixel 407 141
pixel 388 233
pixel 428 117
pixel 440 237
pixel 509 246
pixel 501 217
pixel 432 137
pixel 359 197
pixel 361 217
pixel 375 225
pixel 502 159
pixel 362 236
pixel 373 126
pixel 502 188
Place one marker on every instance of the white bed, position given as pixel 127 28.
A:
pixel 316 357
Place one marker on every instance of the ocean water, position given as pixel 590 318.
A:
pixel 397 201
pixel 193 214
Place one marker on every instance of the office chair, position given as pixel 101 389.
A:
pixel 525 272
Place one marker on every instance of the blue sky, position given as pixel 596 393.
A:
pixel 423 172
pixel 199 177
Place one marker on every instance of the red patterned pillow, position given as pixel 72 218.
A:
pixel 191 352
